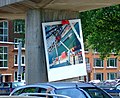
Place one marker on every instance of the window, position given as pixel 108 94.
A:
pixel 87 60
pixel 87 65
pixel 15 76
pixel 112 62
pixel 98 62
pixel 4 31
pixel 17 40
pixel 3 57
pixel 29 90
pixel 22 60
pixel 41 90
pixel 99 76
pixel 22 76
pixel 69 92
pixel 111 76
pixel 18 92
pixel 95 92
pixel 19 26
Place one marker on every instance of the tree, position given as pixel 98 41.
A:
pixel 101 30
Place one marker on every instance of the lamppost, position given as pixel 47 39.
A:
pixel 19 61
pixel 19 57
pixel 94 65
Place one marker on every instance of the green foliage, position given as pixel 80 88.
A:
pixel 101 30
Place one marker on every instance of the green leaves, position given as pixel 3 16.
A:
pixel 101 30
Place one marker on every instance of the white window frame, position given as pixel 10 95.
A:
pixel 16 77
pixel 109 75
pixel 101 63
pixel 112 66
pixel 4 35
pixel 101 75
pixel 16 57
pixel 87 60
pixel 18 40
pixel 3 57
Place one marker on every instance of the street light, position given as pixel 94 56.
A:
pixel 94 65
pixel 19 57
pixel 19 61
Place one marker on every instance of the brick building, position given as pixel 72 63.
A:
pixel 11 31
pixel 107 69
pixel 14 31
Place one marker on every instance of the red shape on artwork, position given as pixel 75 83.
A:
pixel 65 22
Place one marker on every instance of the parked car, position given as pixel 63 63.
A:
pixel 94 81
pixel 110 82
pixel 7 87
pixel 117 80
pixel 117 86
pixel 107 84
pixel 73 90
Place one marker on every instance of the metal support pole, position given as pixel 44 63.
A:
pixel 19 61
pixel 94 66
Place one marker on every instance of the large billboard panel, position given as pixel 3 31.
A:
pixel 64 49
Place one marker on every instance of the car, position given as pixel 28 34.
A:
pixel 107 84
pixel 94 91
pixel 94 81
pixel 117 80
pixel 7 87
pixel 70 89
pixel 117 86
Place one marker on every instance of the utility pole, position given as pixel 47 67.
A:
pixel 19 61
pixel 94 65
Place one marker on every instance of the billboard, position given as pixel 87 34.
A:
pixel 64 49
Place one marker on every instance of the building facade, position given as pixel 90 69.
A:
pixel 11 31
pixel 14 31
pixel 107 69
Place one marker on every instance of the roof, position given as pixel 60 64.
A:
pixel 59 85
pixel 17 8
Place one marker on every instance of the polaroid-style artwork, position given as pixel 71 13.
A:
pixel 64 49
